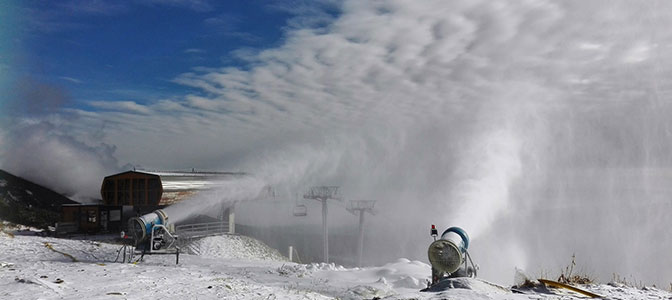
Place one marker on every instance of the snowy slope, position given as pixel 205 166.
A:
pixel 233 247
pixel 28 203
pixel 30 270
pixel 30 194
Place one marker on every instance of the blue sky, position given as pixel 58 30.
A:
pixel 132 50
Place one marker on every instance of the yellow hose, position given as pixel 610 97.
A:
pixel 52 249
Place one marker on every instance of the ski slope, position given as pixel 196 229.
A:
pixel 227 267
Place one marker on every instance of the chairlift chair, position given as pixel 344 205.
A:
pixel 300 210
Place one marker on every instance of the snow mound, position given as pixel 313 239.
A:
pixel 620 291
pixel 293 270
pixel 403 273
pixel 326 267
pixel 301 270
pixel 9 228
pixel 365 292
pixel 409 282
pixel 233 247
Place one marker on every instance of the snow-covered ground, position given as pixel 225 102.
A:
pixel 227 267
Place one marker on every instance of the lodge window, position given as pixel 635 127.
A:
pixel 153 191
pixel 139 191
pixel 125 191
pixel 108 192
pixel 92 216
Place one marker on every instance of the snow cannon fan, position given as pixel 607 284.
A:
pixel 141 227
pixel 151 234
pixel 448 255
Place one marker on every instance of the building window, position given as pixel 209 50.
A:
pixel 153 191
pixel 139 191
pixel 108 192
pixel 92 216
pixel 124 190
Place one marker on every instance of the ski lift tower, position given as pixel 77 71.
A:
pixel 361 206
pixel 323 193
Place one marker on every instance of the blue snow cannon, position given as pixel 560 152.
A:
pixel 141 227
pixel 448 255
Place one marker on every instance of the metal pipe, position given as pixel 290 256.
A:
pixel 360 242
pixel 325 231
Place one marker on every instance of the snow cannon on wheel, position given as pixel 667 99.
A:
pixel 449 256
pixel 152 234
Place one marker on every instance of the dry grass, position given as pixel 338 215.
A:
pixel 631 282
pixel 567 276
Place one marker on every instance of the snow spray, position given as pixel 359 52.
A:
pixel 226 193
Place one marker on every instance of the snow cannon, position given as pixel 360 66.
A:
pixel 153 235
pixel 141 227
pixel 448 255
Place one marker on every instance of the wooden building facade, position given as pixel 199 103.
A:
pixel 141 192
pixel 89 218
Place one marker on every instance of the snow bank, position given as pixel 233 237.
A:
pixel 233 247
pixel 10 228
pixel 30 270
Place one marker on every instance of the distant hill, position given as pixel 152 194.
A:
pixel 28 203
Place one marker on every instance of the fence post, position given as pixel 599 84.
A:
pixel 232 219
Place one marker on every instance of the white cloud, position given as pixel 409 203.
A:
pixel 44 153
pixel 203 103
pixel 637 54
pixel 126 106
pixel 70 79
pixel 194 51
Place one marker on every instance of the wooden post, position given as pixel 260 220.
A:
pixel 232 219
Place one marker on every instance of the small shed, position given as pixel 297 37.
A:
pixel 89 218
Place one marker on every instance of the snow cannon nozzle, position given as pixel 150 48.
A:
pixel 449 256
pixel 459 231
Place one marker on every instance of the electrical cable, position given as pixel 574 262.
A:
pixel 119 252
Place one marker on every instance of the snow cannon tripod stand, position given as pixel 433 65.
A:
pixel 153 235
pixel 449 256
